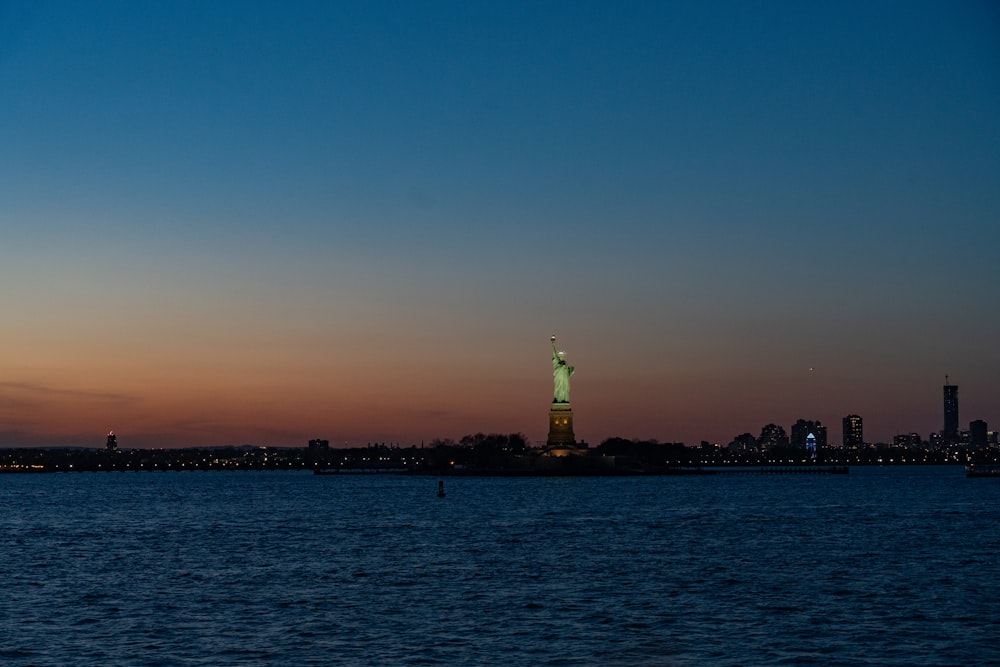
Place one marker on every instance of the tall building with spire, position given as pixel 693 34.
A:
pixel 803 428
pixel 950 431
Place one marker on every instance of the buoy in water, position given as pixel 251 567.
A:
pixel 441 489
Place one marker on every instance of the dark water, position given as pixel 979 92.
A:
pixel 885 566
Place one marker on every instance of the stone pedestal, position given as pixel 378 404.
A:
pixel 561 426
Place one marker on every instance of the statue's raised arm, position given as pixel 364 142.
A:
pixel 561 373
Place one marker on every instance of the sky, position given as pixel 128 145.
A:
pixel 264 222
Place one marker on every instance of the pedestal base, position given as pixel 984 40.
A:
pixel 561 426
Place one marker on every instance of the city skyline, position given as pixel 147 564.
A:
pixel 795 434
pixel 363 223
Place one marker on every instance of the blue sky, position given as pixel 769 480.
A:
pixel 276 220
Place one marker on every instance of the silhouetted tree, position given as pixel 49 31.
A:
pixel 648 452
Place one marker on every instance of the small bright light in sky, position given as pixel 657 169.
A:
pixel 321 213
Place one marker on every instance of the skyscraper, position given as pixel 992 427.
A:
pixel 978 431
pixel 853 435
pixel 950 430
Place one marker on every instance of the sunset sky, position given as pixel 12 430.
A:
pixel 265 222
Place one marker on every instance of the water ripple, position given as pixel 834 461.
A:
pixel 882 567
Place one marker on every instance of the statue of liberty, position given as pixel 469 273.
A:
pixel 561 372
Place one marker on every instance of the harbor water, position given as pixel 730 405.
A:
pixel 884 566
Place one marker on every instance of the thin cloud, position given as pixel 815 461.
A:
pixel 41 390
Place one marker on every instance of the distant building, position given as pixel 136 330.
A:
pixel 935 441
pixel 950 430
pixel 318 445
pixel 744 442
pixel 772 436
pixel 978 433
pixel 803 428
pixel 853 433
pixel 906 440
